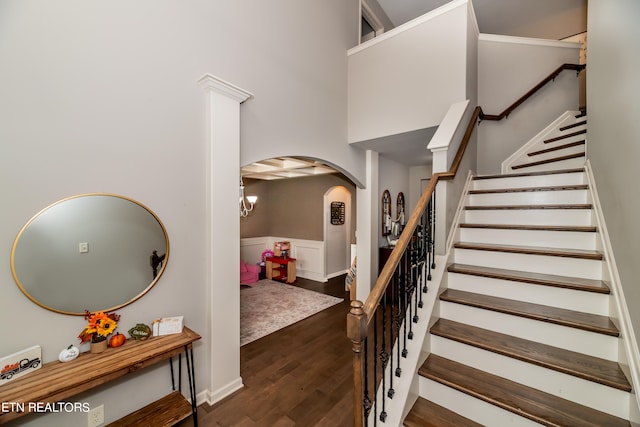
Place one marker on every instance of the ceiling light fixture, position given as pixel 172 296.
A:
pixel 244 210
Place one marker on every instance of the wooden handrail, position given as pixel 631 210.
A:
pixel 550 77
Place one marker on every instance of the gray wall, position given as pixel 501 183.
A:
pixel 508 67
pixel 102 97
pixel 614 132
pixel 293 207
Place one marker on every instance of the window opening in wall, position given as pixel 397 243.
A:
pixel 367 32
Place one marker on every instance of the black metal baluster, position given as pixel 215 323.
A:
pixel 398 318
pixel 433 197
pixel 384 357
pixel 366 401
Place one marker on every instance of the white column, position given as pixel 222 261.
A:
pixel 223 233
pixel 368 227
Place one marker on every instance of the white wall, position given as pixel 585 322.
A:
pixel 614 131
pixel 508 67
pixel 406 79
pixel 103 97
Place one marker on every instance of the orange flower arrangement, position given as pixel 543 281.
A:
pixel 99 326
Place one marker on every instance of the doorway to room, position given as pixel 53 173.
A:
pixel 337 231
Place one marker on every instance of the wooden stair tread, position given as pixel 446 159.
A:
pixel 573 125
pixel 535 405
pixel 532 250
pixel 425 413
pixel 589 368
pixel 516 207
pixel 165 412
pixel 557 148
pixel 531 189
pixel 559 316
pixel 573 228
pixel 565 136
pixel 588 285
pixel 547 161
pixel 537 173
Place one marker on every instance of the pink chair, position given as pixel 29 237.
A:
pixel 249 273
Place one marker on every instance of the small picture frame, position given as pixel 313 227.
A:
pixel 337 213
pixel 21 363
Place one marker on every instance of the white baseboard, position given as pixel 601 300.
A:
pixel 212 397
pixel 630 349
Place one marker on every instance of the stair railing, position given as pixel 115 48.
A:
pixel 385 320
pixel 575 67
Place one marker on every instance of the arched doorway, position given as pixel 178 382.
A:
pixel 337 231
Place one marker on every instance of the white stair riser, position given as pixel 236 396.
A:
pixel 584 392
pixel 575 217
pixel 557 197
pixel 562 266
pixel 570 299
pixel 468 406
pixel 542 238
pixel 574 178
pixel 591 343
pixel 563 164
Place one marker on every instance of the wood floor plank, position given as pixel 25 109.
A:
pixel 531 207
pixel 573 228
pixel 531 189
pixel 535 405
pixel 558 148
pixel 568 362
pixel 570 318
pixel 519 174
pixel 573 125
pixel 565 136
pixel 547 161
pixel 576 283
pixel 298 376
pixel 427 414
pixel 532 250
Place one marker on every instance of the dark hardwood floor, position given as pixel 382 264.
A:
pixel 298 376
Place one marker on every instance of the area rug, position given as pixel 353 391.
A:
pixel 269 306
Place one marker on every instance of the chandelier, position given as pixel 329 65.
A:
pixel 244 209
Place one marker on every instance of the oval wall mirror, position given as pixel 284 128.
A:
pixel 96 252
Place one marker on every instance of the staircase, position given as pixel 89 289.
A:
pixel 524 336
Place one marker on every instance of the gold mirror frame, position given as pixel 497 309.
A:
pixel 138 217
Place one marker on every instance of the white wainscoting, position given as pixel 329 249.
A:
pixel 309 254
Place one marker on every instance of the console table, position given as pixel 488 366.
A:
pixel 281 269
pixel 57 381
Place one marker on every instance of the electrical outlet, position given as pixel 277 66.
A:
pixel 96 416
pixel 83 247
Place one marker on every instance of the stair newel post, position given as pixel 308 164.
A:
pixel 357 333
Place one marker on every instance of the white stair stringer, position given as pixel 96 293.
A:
pixel 507 226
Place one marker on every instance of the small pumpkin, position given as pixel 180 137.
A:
pixel 117 340
pixel 69 353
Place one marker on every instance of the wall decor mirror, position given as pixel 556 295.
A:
pixel 400 210
pixel 95 252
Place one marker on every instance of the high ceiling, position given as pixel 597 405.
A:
pixel 548 19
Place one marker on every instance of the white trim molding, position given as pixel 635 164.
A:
pixel 309 254
pixel 629 353
pixel 222 121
